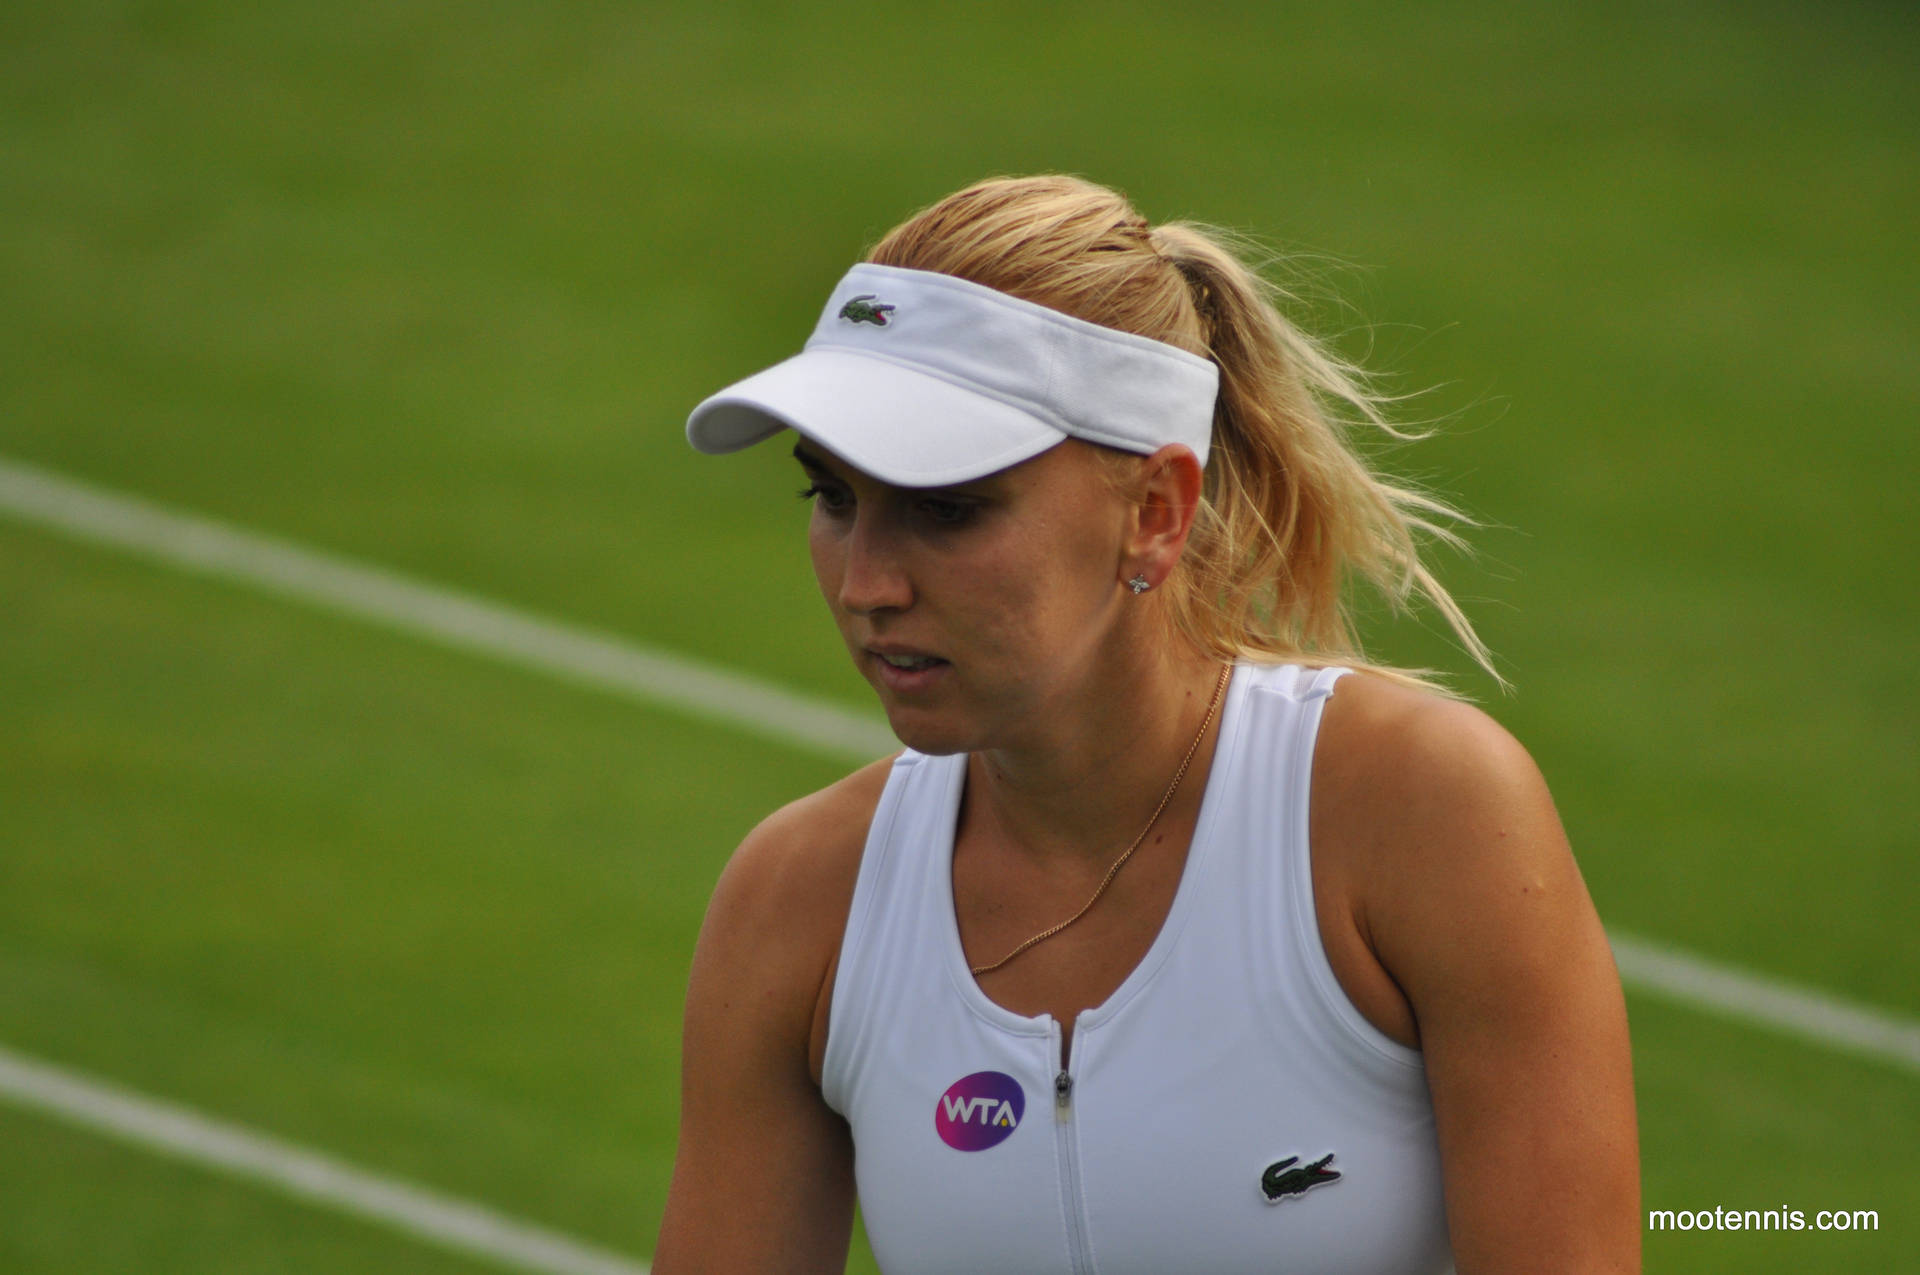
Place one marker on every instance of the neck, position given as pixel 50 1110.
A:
pixel 1102 755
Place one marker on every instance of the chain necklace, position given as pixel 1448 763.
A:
pixel 1219 687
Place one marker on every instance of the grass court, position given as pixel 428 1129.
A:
pixel 433 286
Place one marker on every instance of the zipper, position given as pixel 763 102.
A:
pixel 1066 1145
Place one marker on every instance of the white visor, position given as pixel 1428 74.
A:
pixel 925 380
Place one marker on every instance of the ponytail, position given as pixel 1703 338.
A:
pixel 1290 510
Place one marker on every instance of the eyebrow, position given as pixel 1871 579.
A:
pixel 814 461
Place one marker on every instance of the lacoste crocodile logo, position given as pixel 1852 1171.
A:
pixel 1279 1181
pixel 863 310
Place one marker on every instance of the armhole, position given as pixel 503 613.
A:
pixel 846 1021
pixel 1312 950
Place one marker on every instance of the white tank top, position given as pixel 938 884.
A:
pixel 1227 1108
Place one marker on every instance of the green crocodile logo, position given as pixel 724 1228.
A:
pixel 863 310
pixel 1279 1181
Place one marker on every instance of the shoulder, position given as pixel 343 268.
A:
pixel 800 863
pixel 748 1086
pixel 1424 815
pixel 1450 857
pixel 1415 725
pixel 1391 758
pixel 1434 822
pixel 770 943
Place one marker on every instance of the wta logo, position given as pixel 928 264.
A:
pixel 979 1111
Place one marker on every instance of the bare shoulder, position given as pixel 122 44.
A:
pixel 778 912
pixel 1409 774
pixel 1378 732
pixel 765 956
pixel 1438 829
pixel 792 878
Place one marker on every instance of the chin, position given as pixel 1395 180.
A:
pixel 930 734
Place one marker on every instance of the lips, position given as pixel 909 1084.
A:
pixel 911 662
pixel 906 671
pixel 904 657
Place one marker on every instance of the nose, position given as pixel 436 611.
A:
pixel 873 575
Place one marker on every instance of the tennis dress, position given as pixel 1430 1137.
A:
pixel 1226 1109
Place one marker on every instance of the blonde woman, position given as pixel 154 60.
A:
pixel 1180 937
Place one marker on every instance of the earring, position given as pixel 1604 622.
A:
pixel 1138 584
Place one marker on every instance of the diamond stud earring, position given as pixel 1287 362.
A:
pixel 1139 585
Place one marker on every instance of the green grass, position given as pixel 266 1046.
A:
pixel 1734 1118
pixel 435 285
pixel 429 914
pixel 77 1202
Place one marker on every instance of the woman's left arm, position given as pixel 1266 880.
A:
pixel 1475 907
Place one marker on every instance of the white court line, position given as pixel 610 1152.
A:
pixel 457 619
pixel 140 527
pixel 1820 1017
pixel 187 1135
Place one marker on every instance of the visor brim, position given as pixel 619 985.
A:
pixel 895 423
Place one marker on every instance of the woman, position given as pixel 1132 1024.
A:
pixel 1180 938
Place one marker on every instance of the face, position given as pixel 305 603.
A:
pixel 975 611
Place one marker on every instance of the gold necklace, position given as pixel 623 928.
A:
pixel 1218 688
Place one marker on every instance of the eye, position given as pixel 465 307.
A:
pixel 948 513
pixel 833 498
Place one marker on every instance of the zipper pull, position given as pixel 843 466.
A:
pixel 1062 1095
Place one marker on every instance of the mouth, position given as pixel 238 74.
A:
pixel 905 672
pixel 909 663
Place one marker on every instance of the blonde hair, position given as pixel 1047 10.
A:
pixel 1290 510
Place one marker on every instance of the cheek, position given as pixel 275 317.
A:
pixel 1041 596
pixel 1082 548
pixel 828 561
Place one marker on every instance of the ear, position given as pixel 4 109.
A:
pixel 1166 501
